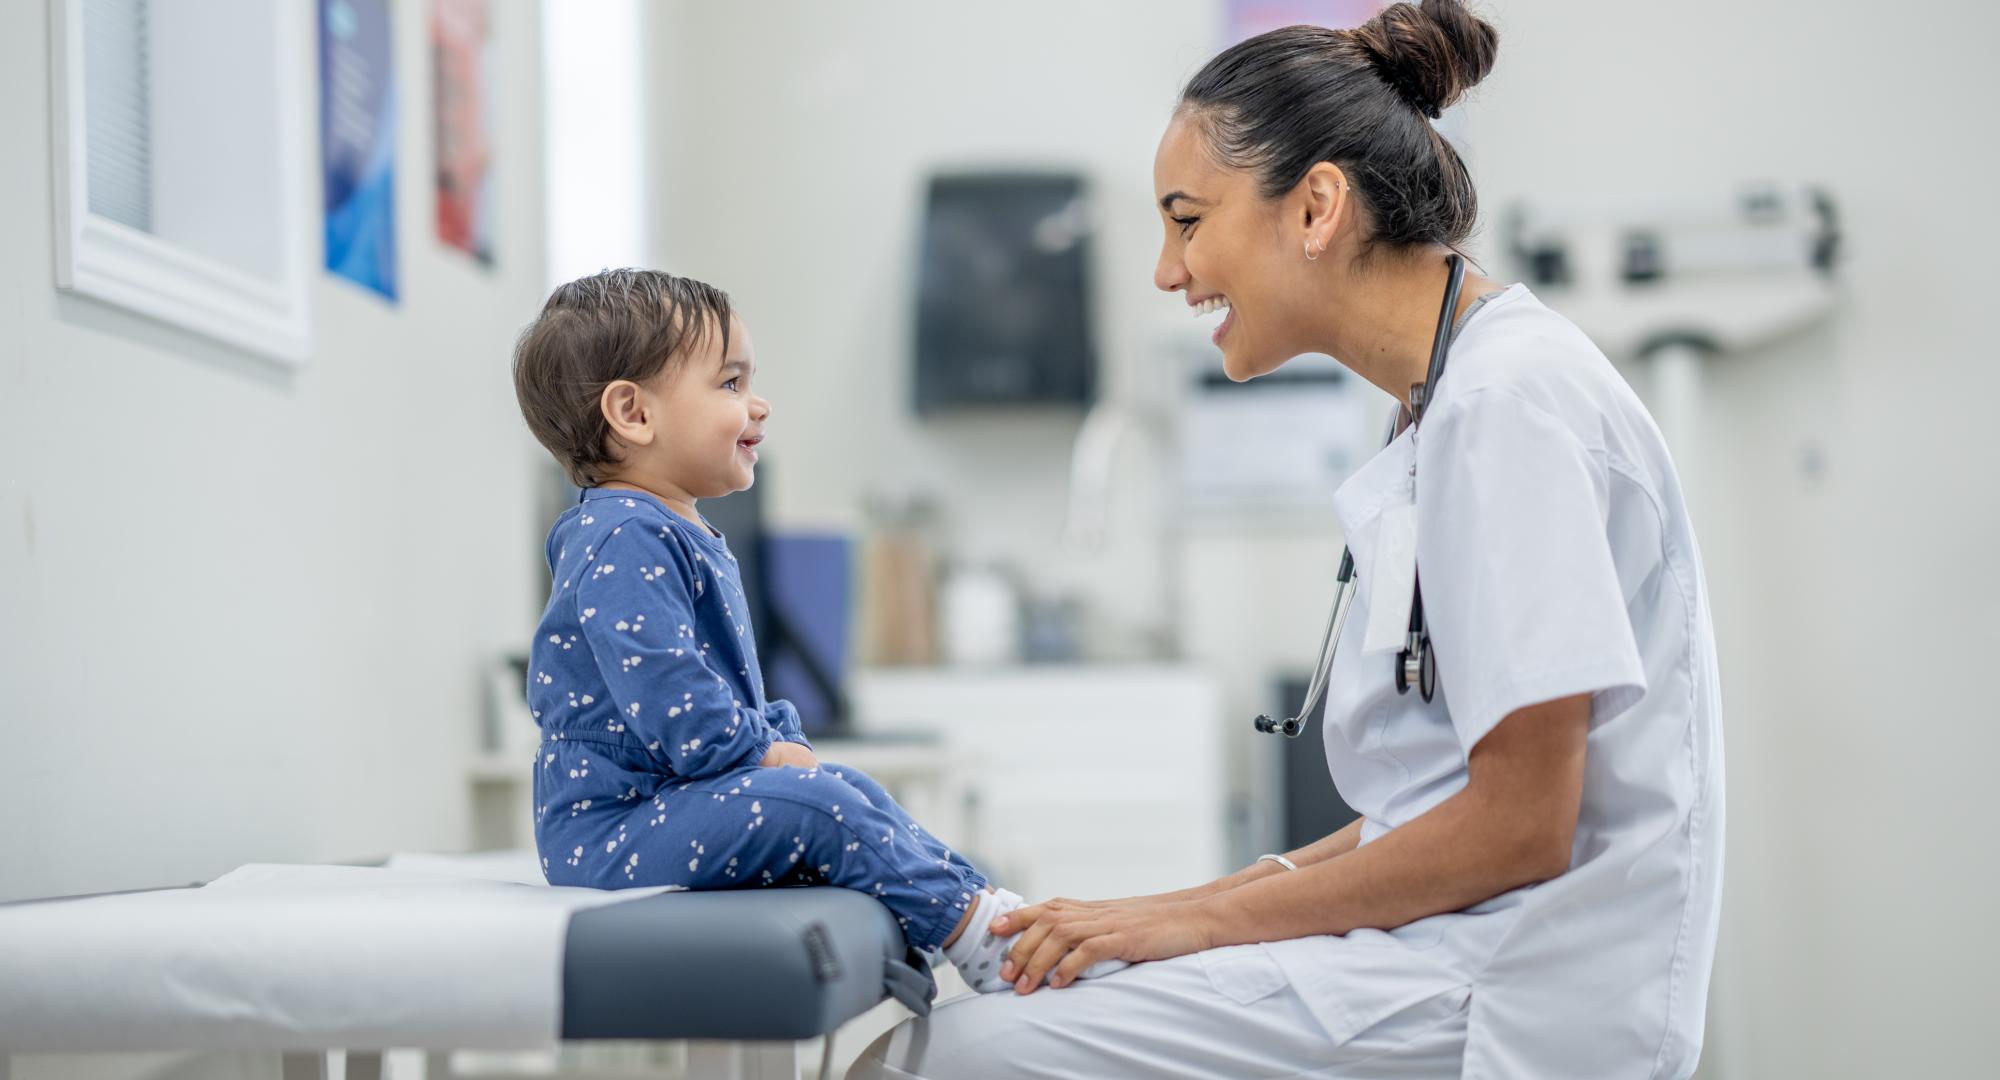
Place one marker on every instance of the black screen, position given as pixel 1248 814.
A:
pixel 1002 308
pixel 740 517
pixel 1313 809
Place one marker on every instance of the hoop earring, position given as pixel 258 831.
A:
pixel 1311 255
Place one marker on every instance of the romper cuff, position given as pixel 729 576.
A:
pixel 758 749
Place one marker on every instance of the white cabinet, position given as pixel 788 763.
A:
pixel 1086 781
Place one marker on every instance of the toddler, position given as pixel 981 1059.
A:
pixel 662 762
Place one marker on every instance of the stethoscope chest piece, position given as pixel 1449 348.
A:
pixel 1416 666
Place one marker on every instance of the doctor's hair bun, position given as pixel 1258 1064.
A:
pixel 1432 53
pixel 1279 104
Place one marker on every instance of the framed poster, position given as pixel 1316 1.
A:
pixel 178 182
pixel 462 125
pixel 357 129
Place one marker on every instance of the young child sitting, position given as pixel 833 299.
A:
pixel 661 762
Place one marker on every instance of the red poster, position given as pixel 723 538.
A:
pixel 462 119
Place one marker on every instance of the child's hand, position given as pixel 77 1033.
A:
pixel 789 755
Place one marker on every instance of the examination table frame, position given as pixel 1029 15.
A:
pixel 774 966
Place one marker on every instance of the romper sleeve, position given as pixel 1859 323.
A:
pixel 1514 559
pixel 783 716
pixel 637 610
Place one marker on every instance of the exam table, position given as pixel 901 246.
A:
pixel 442 954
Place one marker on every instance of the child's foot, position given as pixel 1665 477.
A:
pixel 978 953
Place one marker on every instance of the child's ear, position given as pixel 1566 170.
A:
pixel 625 408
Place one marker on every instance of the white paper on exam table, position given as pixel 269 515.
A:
pixel 275 956
pixel 514 864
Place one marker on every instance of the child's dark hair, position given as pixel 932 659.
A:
pixel 594 331
pixel 1282 102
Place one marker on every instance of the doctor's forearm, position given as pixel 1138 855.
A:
pixel 1512 824
pixel 1326 847
pixel 1338 842
pixel 1458 854
pixel 1334 844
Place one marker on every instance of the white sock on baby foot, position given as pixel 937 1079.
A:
pixel 978 952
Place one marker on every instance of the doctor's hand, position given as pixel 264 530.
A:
pixel 789 755
pixel 1060 938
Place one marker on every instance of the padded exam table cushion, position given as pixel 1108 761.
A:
pixel 763 964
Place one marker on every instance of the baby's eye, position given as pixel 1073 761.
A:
pixel 731 384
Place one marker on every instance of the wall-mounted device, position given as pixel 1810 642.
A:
pixel 1723 272
pixel 1674 281
pixel 1003 298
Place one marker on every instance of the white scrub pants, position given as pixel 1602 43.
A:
pixel 1166 1018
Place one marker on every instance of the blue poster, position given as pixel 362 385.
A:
pixel 357 138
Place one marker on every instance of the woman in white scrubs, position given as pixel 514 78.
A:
pixel 1533 887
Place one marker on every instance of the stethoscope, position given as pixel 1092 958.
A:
pixel 1416 665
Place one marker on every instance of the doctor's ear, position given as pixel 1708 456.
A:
pixel 1324 192
pixel 628 411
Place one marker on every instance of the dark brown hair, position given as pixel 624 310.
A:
pixel 1282 102
pixel 612 325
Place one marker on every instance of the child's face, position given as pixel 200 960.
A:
pixel 709 420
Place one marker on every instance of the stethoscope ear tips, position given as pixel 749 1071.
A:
pixel 1268 726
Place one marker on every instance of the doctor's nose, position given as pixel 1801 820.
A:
pixel 1168 274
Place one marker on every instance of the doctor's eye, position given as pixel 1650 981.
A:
pixel 1186 223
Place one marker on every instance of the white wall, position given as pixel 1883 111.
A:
pixel 790 149
pixel 243 609
pixel 793 144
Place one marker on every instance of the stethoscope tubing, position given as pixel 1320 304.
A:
pixel 1415 664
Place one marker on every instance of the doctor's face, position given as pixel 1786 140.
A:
pixel 1226 250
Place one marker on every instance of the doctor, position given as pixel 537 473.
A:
pixel 1533 887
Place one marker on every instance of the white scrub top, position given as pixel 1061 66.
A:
pixel 1556 559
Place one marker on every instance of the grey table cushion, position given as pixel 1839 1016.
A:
pixel 787 963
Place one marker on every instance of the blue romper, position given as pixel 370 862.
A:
pixel 644 680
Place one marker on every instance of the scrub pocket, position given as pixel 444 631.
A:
pixel 1243 973
pixel 1352 983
